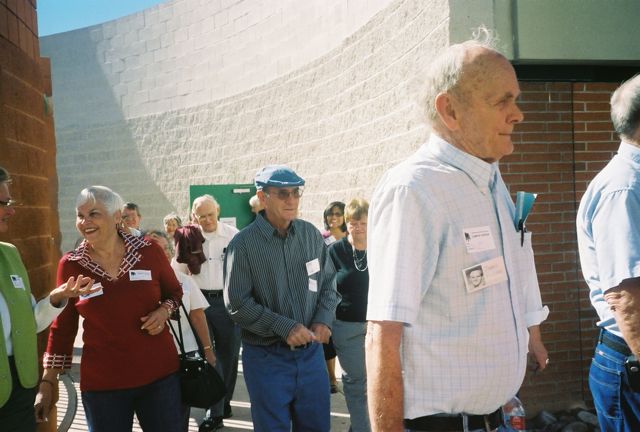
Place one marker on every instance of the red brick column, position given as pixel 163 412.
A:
pixel 27 144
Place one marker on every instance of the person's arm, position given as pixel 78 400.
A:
pixel 59 352
pixel 199 321
pixel 616 235
pixel 535 312
pixel 537 349
pixel 44 398
pixel 170 294
pixel 48 308
pixel 328 296
pixel 624 301
pixel 384 376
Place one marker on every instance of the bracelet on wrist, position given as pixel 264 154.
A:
pixel 51 383
pixel 208 347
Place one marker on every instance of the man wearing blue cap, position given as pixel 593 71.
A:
pixel 280 288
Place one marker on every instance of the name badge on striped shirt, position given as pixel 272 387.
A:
pixel 313 266
pixel 313 285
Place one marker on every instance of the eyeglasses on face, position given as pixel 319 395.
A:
pixel 336 214
pixel 9 203
pixel 284 194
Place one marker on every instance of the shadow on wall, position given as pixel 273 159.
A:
pixel 340 120
pixel 96 144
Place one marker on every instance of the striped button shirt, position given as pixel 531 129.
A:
pixel 272 282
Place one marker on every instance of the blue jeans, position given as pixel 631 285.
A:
pixel 289 390
pixel 157 406
pixel 618 407
pixel 348 338
pixel 225 335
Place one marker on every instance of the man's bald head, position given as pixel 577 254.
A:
pixel 458 68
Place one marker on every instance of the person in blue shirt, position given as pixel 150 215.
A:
pixel 609 246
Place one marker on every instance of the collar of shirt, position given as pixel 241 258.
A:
pixel 222 231
pixel 629 151
pixel 211 235
pixel 131 255
pixel 482 173
pixel 268 230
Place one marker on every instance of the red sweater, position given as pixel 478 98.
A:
pixel 117 354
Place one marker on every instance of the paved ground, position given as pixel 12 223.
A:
pixel 241 420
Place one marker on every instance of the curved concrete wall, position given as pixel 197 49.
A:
pixel 148 112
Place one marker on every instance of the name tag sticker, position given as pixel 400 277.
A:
pixel 485 274
pixel 329 240
pixel 139 275
pixel 17 281
pixel 313 285
pixel 478 239
pixel 96 285
pixel 313 266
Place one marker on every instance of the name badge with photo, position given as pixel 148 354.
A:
pixel 485 274
pixel 139 275
pixel 17 281
pixel 478 239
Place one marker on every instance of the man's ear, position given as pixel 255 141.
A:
pixel 261 197
pixel 446 111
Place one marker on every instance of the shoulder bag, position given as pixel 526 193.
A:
pixel 200 383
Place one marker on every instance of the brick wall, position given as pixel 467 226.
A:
pixel 566 138
pixel 27 144
pixel 27 148
pixel 344 117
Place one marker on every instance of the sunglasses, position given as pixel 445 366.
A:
pixel 336 214
pixel 283 194
pixel 10 203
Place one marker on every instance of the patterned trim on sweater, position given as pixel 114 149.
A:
pixel 56 361
pixel 131 255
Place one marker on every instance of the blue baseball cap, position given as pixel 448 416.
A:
pixel 277 176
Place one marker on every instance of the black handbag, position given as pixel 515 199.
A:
pixel 200 384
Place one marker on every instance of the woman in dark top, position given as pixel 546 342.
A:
pixel 335 229
pixel 349 256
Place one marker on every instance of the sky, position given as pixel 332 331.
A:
pixel 56 16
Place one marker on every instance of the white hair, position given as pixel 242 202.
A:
pixel 445 71
pixel 625 108
pixel 100 194
pixel 203 198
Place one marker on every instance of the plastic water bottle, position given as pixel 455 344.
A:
pixel 514 417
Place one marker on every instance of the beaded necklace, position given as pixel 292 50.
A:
pixel 360 262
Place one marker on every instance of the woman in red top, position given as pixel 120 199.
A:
pixel 129 361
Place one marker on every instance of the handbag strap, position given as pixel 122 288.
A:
pixel 193 330
pixel 178 336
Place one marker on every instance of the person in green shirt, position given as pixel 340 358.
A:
pixel 21 318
